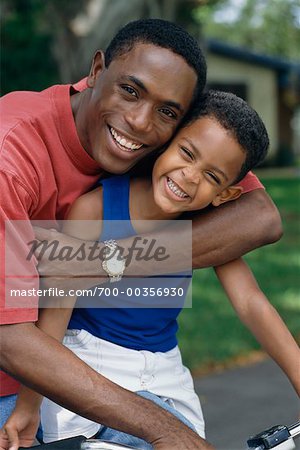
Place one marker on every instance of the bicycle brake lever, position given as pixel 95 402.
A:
pixel 269 438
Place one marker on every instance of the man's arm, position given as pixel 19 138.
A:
pixel 219 235
pixel 234 229
pixel 21 427
pixel 57 373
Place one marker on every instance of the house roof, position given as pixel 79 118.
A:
pixel 283 66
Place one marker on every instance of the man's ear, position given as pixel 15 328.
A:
pixel 98 66
pixel 228 194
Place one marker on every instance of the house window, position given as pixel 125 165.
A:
pixel 239 89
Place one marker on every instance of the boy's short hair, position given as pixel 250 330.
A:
pixel 236 116
pixel 161 33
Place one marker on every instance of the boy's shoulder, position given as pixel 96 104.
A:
pixel 88 206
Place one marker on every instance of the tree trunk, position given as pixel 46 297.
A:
pixel 90 25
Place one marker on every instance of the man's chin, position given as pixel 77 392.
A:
pixel 116 168
pixel 121 162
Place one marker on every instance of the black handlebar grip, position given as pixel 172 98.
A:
pixel 73 443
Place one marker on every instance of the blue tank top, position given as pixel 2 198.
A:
pixel 138 328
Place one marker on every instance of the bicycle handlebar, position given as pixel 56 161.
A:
pixel 279 437
pixel 73 443
pixel 79 443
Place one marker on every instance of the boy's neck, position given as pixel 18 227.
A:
pixel 142 205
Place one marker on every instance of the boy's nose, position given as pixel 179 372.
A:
pixel 191 174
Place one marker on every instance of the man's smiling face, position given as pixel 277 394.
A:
pixel 134 106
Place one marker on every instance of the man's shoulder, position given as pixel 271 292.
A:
pixel 22 106
pixel 26 118
pixel 26 113
pixel 27 106
pixel 81 85
pixel 250 183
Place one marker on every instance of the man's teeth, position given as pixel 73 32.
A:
pixel 175 189
pixel 124 142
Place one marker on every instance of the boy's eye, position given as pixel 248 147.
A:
pixel 187 152
pixel 213 177
pixel 130 90
pixel 168 112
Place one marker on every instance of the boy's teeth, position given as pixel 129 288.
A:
pixel 174 188
pixel 122 141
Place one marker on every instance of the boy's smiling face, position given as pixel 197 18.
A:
pixel 198 168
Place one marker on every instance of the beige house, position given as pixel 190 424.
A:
pixel 270 85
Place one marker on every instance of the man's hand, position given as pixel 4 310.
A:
pixel 19 431
pixel 182 441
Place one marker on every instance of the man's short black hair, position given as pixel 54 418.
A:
pixel 236 116
pixel 162 34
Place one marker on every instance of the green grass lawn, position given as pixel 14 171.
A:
pixel 210 332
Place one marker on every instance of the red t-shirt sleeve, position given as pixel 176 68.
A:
pixel 17 273
pixel 81 85
pixel 250 182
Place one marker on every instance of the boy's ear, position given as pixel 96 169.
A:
pixel 228 194
pixel 98 65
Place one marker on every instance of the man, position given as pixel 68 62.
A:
pixel 55 145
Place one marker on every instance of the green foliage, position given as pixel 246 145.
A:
pixel 267 26
pixel 210 331
pixel 26 61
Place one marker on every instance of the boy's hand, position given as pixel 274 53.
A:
pixel 61 273
pixel 19 431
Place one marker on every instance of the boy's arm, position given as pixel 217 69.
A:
pixel 256 312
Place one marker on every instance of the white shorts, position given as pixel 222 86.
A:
pixel 163 374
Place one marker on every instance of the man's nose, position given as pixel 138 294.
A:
pixel 140 118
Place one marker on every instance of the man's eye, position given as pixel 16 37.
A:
pixel 187 152
pixel 168 112
pixel 130 90
pixel 213 177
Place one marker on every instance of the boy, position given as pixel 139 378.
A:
pixel 219 142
